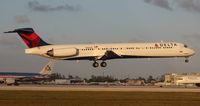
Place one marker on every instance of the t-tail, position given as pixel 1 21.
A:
pixel 47 70
pixel 29 36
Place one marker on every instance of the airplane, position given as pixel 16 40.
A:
pixel 101 52
pixel 12 78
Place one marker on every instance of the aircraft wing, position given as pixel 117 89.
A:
pixel 109 55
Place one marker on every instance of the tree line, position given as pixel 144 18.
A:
pixel 107 78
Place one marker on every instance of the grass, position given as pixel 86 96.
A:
pixel 67 98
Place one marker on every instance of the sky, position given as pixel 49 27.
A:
pixel 100 21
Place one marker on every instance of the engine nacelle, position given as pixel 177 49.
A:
pixel 63 52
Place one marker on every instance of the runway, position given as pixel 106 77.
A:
pixel 96 88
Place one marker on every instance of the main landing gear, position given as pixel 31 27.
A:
pixel 96 64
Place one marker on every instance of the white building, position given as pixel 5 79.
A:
pixel 182 79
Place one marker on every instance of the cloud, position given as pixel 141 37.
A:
pixel 189 5
pixel 160 3
pixel 36 6
pixel 21 19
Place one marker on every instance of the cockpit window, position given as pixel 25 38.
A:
pixel 185 46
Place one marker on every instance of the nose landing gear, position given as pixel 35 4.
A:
pixel 186 60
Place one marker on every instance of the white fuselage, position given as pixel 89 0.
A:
pixel 122 50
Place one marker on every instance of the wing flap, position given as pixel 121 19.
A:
pixel 109 55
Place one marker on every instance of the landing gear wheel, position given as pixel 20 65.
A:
pixel 103 64
pixel 95 64
pixel 186 60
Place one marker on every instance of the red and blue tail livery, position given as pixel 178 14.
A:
pixel 29 36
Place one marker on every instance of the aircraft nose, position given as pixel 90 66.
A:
pixel 191 52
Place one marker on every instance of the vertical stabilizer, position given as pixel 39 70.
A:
pixel 47 68
pixel 30 38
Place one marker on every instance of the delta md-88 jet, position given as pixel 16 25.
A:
pixel 102 52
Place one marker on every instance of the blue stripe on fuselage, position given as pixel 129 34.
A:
pixel 19 74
